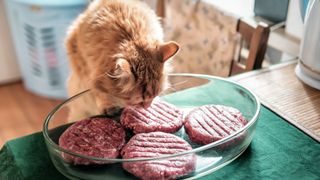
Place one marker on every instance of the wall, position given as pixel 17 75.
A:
pixel 9 70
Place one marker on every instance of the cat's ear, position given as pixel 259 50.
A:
pixel 168 49
pixel 121 69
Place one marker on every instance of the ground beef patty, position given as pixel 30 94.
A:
pixel 157 144
pixel 98 137
pixel 210 123
pixel 160 116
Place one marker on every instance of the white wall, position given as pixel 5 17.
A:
pixel 9 70
pixel 240 8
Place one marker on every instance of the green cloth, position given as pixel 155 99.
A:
pixel 278 151
pixel 27 158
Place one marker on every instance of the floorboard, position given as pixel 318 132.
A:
pixel 21 112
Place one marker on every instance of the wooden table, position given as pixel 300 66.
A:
pixel 280 90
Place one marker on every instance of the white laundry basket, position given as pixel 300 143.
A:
pixel 38 29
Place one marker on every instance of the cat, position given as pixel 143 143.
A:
pixel 116 49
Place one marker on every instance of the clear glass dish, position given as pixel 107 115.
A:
pixel 187 91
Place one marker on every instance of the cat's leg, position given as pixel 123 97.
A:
pixel 83 106
pixel 107 104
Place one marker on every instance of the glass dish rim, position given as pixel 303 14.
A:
pixel 56 147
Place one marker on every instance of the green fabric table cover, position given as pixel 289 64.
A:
pixel 278 151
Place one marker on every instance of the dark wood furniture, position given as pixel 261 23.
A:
pixel 253 40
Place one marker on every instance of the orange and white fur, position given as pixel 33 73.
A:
pixel 116 50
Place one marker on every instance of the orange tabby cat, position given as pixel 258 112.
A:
pixel 116 49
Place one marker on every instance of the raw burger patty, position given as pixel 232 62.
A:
pixel 98 137
pixel 160 116
pixel 210 123
pixel 157 144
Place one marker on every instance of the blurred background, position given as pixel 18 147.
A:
pixel 34 66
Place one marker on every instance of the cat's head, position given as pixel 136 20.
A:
pixel 137 73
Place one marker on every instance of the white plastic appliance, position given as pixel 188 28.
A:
pixel 38 29
pixel 308 68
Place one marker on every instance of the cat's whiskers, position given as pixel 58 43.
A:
pixel 178 83
pixel 171 88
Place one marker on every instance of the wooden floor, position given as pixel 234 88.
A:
pixel 21 112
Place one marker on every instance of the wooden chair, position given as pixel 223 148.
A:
pixel 255 39
pixel 252 46
pixel 160 9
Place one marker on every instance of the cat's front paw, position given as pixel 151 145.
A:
pixel 112 111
